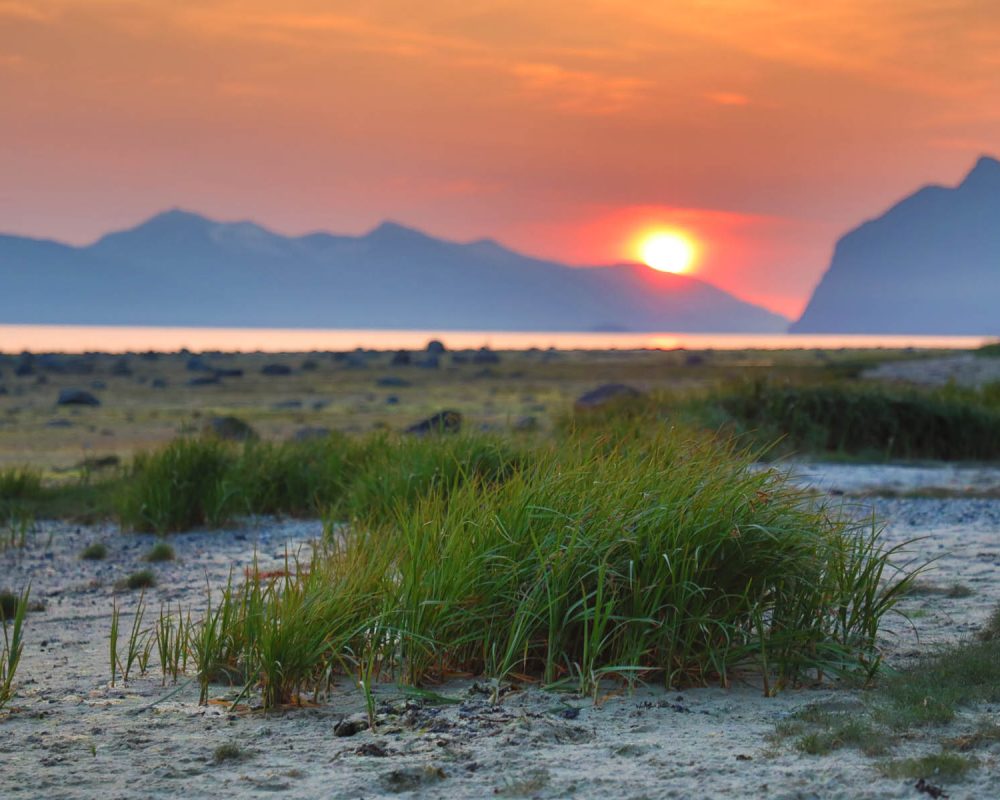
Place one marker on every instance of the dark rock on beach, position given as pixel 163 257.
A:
pixel 443 422
pixel 276 370
pixel 608 393
pixel 76 397
pixel 393 382
pixel 229 428
pixel 485 356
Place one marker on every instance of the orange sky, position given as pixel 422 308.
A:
pixel 765 126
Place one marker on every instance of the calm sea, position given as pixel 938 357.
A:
pixel 113 339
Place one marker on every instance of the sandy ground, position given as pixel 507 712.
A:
pixel 964 370
pixel 70 735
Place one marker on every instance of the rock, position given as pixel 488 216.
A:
pixel 76 397
pixel 608 393
pixel 98 385
pixel 393 381
pixel 401 358
pixel 356 360
pixel 121 368
pixel 59 423
pixel 204 380
pixel 392 400
pixel 310 433
pixel 435 347
pixel 694 360
pixel 408 779
pixel 309 365
pixel 158 383
pixel 447 421
pixel 459 358
pixel 287 405
pixel 485 356
pixel 230 428
pixel 198 364
pixel 229 373
pixel 349 726
pixel 276 370
pixel 25 366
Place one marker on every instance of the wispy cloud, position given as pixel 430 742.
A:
pixel 728 98
pixel 31 12
pixel 578 91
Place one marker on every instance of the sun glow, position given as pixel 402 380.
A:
pixel 668 251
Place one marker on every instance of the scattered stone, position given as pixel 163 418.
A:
pixel 228 373
pixel 374 749
pixel 485 356
pixel 401 358
pixel 76 397
pixel 393 381
pixel 392 400
pixel 204 380
pixel 349 726
pixel 230 428
pixel 276 370
pixel 121 368
pixel 608 393
pixel 310 433
pixel 409 779
pixel 198 364
pixel 287 405
pixel 447 421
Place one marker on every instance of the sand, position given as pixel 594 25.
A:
pixel 71 735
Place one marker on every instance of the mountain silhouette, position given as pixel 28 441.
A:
pixel 180 268
pixel 929 265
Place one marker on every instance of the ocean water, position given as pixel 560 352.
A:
pixel 117 339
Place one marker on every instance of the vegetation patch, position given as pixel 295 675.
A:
pixel 161 551
pixel 12 644
pixel 653 556
pixel 96 551
pixel 936 765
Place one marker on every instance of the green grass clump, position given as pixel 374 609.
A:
pixel 12 647
pixel 931 693
pixel 874 421
pixel 177 488
pixel 95 551
pixel 398 474
pixel 296 478
pixel 8 604
pixel 936 765
pixel 161 551
pixel 20 483
pixel 228 753
pixel 660 557
pixel 142 579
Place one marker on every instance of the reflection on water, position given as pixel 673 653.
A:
pixel 97 338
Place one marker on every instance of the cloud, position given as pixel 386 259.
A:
pixel 29 12
pixel 577 91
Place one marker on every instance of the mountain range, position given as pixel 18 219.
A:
pixel 182 269
pixel 928 265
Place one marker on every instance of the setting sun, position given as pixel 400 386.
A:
pixel 668 251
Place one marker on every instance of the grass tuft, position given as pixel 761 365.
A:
pixel 937 765
pixel 95 551
pixel 142 579
pixel 159 552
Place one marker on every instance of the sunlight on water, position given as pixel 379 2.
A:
pixel 96 338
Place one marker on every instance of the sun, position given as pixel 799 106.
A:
pixel 668 251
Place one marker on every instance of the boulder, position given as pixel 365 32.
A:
pixel 204 380
pixel 76 397
pixel 393 381
pixel 603 395
pixel 401 358
pixel 485 356
pixel 435 347
pixel 230 428
pixel 447 421
pixel 276 370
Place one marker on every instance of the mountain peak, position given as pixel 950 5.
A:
pixel 985 174
pixel 394 232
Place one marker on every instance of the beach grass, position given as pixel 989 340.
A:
pixel 12 646
pixel 652 556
